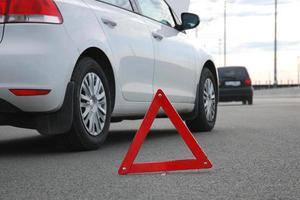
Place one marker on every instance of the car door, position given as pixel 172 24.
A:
pixel 131 44
pixel 175 67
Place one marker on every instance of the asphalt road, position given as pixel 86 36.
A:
pixel 255 151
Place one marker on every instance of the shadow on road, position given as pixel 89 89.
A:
pixel 126 136
pixel 32 145
pixel 36 145
pixel 55 144
pixel 231 105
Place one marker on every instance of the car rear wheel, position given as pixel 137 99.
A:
pixel 250 101
pixel 208 100
pixel 92 106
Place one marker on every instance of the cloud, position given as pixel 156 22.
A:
pixel 179 7
pixel 250 27
pixel 269 46
pixel 249 14
pixel 262 2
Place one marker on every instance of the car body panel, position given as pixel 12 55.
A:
pixel 132 49
pixel 1 32
pixel 47 55
pixel 41 64
pixel 2 16
pixel 87 32
pixel 179 85
pixel 202 58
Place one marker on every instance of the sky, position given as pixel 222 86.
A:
pixel 250 35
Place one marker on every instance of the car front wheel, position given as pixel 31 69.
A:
pixel 208 101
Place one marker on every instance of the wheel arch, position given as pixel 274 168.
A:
pixel 102 59
pixel 209 64
pixel 211 67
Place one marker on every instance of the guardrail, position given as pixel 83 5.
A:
pixel 263 87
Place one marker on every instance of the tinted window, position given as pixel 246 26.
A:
pixel 120 3
pixel 237 72
pixel 157 10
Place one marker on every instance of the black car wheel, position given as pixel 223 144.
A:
pixel 250 101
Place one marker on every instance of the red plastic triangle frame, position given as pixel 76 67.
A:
pixel 201 161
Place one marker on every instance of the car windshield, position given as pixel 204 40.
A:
pixel 233 72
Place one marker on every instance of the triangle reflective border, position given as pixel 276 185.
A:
pixel 161 101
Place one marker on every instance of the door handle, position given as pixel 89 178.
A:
pixel 109 23
pixel 157 36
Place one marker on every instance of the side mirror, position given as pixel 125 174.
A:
pixel 189 21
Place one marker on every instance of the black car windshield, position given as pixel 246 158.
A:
pixel 233 72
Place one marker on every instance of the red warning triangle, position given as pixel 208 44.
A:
pixel 161 101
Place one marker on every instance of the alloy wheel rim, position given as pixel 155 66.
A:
pixel 93 104
pixel 209 98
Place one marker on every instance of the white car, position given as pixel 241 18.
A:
pixel 74 66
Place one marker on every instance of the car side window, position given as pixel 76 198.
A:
pixel 157 10
pixel 120 3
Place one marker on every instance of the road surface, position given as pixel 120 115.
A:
pixel 255 151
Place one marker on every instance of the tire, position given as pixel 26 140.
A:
pixel 250 101
pixel 90 122
pixel 203 122
pixel 244 102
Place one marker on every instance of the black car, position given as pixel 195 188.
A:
pixel 235 85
